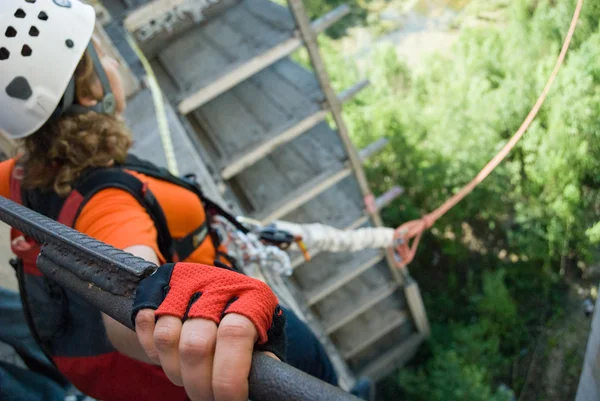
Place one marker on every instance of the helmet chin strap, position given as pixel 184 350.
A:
pixel 107 105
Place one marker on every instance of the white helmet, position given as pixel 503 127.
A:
pixel 41 44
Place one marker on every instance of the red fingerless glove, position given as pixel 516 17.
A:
pixel 191 290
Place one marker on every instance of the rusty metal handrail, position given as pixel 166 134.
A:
pixel 108 277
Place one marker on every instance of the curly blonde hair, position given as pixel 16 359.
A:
pixel 56 155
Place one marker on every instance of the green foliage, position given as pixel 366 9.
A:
pixel 594 233
pixel 495 305
pixel 445 120
pixel 449 377
pixel 467 357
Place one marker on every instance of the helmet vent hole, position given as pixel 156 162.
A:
pixel 43 16
pixel 4 53
pixel 34 31
pixel 11 32
pixel 26 51
pixel 69 43
pixel 30 1
pixel 20 13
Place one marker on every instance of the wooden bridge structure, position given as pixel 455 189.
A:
pixel 251 124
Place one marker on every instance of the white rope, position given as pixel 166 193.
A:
pixel 319 237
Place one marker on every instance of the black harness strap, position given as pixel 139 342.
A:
pixel 95 180
pixel 100 179
pixel 187 245
pixel 151 170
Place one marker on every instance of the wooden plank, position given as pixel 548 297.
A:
pixel 309 36
pixel 345 275
pixel 300 78
pixel 159 21
pixel 302 194
pixel 260 33
pixel 266 100
pixel 241 71
pixel 227 81
pixel 273 14
pixel 395 357
pixel 415 303
pixel 190 50
pixel 274 140
pixel 350 92
pixel 306 158
pixel 295 164
pixel 339 206
pixel 362 304
pixel 391 321
pixel 245 159
pixel 268 110
pixel 388 197
pixel 372 148
pixel 224 35
pixel 293 101
pixel 229 123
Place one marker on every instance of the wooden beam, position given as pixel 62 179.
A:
pixel 392 323
pixel 349 93
pixel 155 24
pixel 339 280
pixel 281 135
pixel 303 194
pixel 388 197
pixel 415 303
pixel 167 15
pixel 309 36
pixel 327 20
pixel 395 357
pixel 363 304
pixel 242 160
pixel 373 148
pixel 252 66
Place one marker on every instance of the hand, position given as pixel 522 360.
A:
pixel 209 322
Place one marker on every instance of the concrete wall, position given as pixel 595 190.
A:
pixel 589 382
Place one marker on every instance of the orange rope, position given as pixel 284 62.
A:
pixel 415 228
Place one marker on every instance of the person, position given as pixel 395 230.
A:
pixel 197 321
pixel 25 373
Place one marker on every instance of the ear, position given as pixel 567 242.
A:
pixel 87 101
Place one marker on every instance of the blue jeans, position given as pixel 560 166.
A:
pixel 305 352
pixel 41 381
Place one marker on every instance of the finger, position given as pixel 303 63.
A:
pixel 144 327
pixel 166 341
pixel 236 337
pixel 196 352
